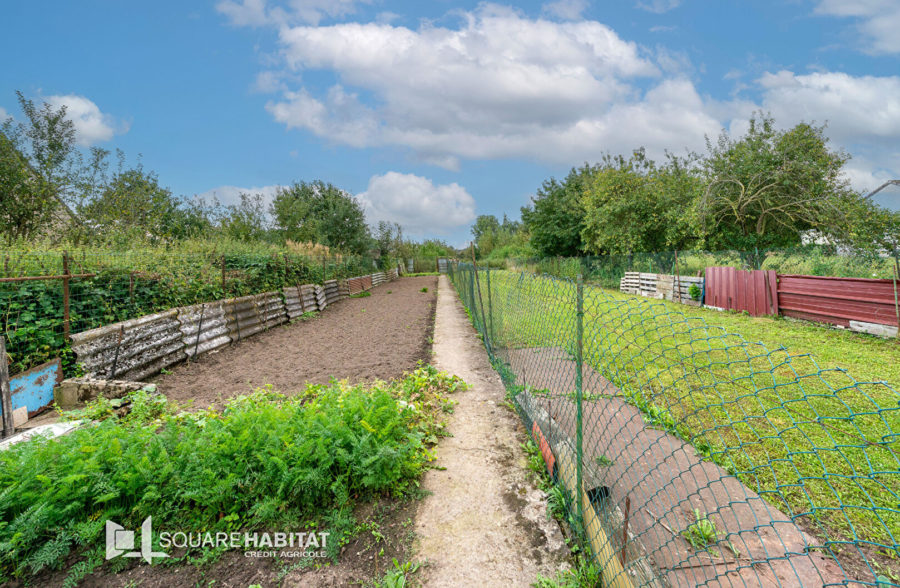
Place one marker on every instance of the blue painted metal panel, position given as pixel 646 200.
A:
pixel 34 388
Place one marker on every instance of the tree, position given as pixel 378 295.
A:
pixel 58 175
pixel 633 205
pixel 769 186
pixel 134 202
pixel 25 203
pixel 321 213
pixel 247 220
pixel 555 219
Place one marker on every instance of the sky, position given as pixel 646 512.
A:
pixel 431 113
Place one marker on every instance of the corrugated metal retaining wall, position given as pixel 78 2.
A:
pixel 204 327
pixel 142 347
pixel 139 347
pixel 837 300
pixel 300 299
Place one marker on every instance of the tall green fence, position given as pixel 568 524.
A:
pixel 687 455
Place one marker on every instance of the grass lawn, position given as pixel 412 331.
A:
pixel 807 416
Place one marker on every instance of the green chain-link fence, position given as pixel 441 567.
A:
pixel 687 455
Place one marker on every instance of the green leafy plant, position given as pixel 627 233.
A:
pixel 398 576
pixel 424 290
pixel 695 292
pixel 363 294
pixel 702 533
pixel 265 460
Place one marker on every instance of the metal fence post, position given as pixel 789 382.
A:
pixel 66 304
pixel 579 394
pixel 5 395
pixel 490 326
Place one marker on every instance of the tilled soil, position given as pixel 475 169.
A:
pixel 359 339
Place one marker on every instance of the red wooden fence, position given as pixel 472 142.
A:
pixel 837 300
pixel 754 291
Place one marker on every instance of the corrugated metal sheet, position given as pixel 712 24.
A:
pixel 321 300
pixel 148 344
pixel 249 315
pixel 753 291
pixel 334 291
pixel 204 327
pixel 378 278
pixel 837 300
pixel 392 274
pixel 300 300
pixel 359 284
pixel 442 265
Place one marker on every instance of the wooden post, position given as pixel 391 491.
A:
pixel 224 292
pixel 66 313
pixel 5 395
pixel 131 287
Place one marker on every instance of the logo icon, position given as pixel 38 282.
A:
pixel 120 541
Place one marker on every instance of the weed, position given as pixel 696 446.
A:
pixel 425 289
pixel 363 294
pixel 398 576
pixel 604 461
pixel 702 533
pixel 584 575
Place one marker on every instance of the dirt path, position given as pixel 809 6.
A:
pixel 485 523
pixel 360 339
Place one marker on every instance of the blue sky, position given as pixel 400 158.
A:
pixel 434 112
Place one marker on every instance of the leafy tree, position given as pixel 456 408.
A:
pixel 247 220
pixel 43 148
pixel 321 213
pixel 766 188
pixel 632 205
pixel 434 248
pixel 555 219
pixel 133 202
pixel 25 203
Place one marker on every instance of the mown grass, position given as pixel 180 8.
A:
pixel 265 462
pixel 802 432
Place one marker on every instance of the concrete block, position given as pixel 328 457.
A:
pixel 874 329
pixel 20 416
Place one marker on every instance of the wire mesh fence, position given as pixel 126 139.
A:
pixel 687 455
pixel 608 270
pixel 46 296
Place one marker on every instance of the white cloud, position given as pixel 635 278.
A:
pixel 658 6
pixel 878 21
pixel 255 13
pixel 566 9
pixel 3 114
pixel 862 115
pixel 232 194
pixel 417 204
pixel 500 85
pixel 856 108
pixel 91 125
